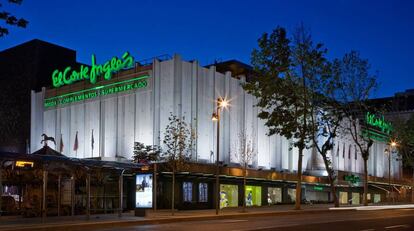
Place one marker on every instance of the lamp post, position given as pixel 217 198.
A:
pixel 389 153
pixel 221 103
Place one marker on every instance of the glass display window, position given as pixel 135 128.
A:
pixel 229 195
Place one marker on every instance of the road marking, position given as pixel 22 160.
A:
pixel 397 226
pixel 231 221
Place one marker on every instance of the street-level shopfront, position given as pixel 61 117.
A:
pixel 47 183
pixel 195 188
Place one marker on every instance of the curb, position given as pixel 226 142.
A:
pixel 153 221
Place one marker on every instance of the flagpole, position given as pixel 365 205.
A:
pixel 92 142
pixel 76 145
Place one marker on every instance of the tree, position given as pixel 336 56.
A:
pixel 281 87
pixel 355 86
pixel 245 151
pixel 145 153
pixel 326 119
pixel 403 134
pixel 178 141
pixel 11 20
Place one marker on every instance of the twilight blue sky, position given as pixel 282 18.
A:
pixel 383 31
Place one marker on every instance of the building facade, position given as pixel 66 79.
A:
pixel 104 119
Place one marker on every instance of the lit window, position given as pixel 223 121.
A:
pixel 202 192
pixel 187 191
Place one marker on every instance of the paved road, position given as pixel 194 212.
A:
pixel 390 220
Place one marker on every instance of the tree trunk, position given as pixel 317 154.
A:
pixel 412 189
pixel 331 180
pixel 173 193
pixel 365 182
pixel 244 188
pixel 299 183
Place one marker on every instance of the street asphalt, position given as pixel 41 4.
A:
pixel 399 219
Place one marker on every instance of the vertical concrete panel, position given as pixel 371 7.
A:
pixel 92 122
pixel 204 123
pixel 186 91
pixel 272 151
pixel 143 117
pixel 295 155
pixel 77 125
pixel 284 148
pixel 65 130
pixel 166 95
pixel 156 92
pixel 251 125
pixel 177 87
pixel 57 128
pixel 120 128
pixel 128 126
pixel 236 114
pixel 37 116
pixel 49 124
pixel 371 161
pixel 210 103
pixel 219 91
pixel 109 114
pixel 194 105
pixel 263 145
pixel 225 118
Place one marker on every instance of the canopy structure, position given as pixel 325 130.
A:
pixel 47 182
pixel 47 156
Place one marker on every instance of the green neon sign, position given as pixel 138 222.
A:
pixel 375 135
pixel 318 188
pixel 352 179
pixel 378 122
pixel 69 76
pixel 118 87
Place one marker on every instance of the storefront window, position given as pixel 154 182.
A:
pixel 253 195
pixel 343 197
pixel 355 198
pixel 292 194
pixel 274 195
pixel 202 192
pixel 229 195
pixel 187 191
pixel 377 198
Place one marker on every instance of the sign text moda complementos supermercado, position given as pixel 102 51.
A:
pixel 68 75
pixel 103 90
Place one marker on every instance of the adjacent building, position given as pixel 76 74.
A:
pixel 23 68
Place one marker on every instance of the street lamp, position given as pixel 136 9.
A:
pixel 221 103
pixel 392 145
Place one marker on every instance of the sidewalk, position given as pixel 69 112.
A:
pixel 160 216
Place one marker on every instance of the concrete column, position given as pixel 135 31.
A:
pixel 121 192
pixel 59 194
pixel 72 194
pixel 154 190
pixel 156 90
pixel 88 192
pixel 194 104
pixel 44 192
